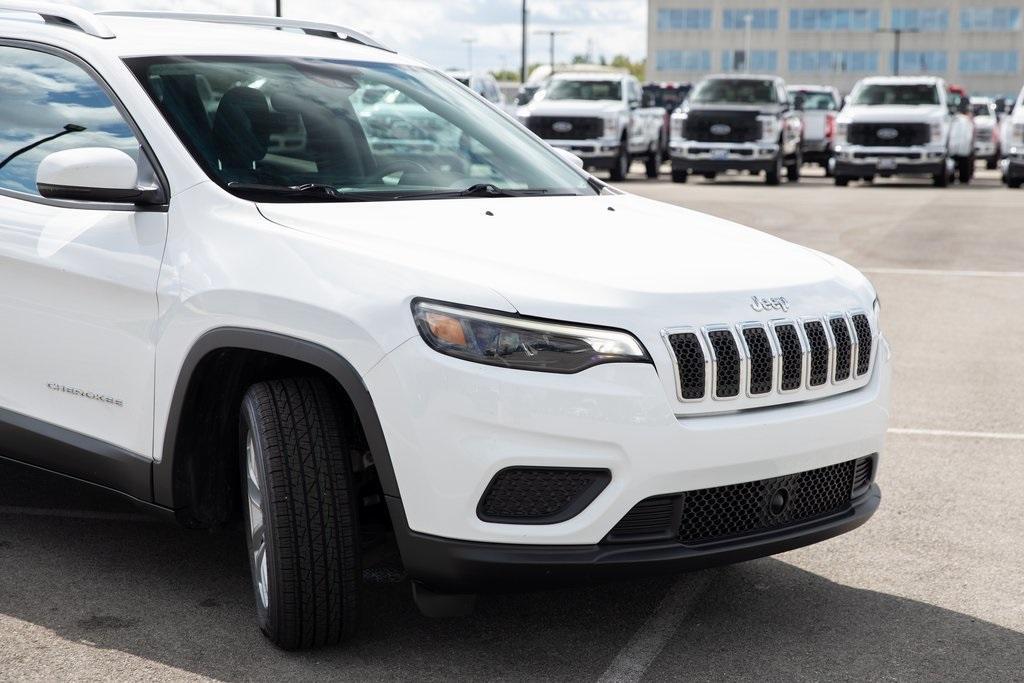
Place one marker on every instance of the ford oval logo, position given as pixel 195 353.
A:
pixel 887 133
pixel 561 126
pixel 721 129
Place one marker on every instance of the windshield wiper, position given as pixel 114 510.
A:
pixel 484 190
pixel 308 192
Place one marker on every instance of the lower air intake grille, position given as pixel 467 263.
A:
pixel 740 509
pixel 862 475
pixel 648 518
pixel 819 352
pixel 792 357
pixel 727 358
pixel 863 329
pixel 690 359
pixel 844 347
pixel 539 495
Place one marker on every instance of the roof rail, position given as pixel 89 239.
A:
pixel 62 15
pixel 308 27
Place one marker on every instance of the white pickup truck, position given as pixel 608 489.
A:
pixel 598 117
pixel 1013 145
pixel 904 126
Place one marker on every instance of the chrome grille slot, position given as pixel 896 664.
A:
pixel 844 348
pixel 817 339
pixel 791 350
pixel 862 328
pixel 690 365
pixel 726 357
pixel 761 355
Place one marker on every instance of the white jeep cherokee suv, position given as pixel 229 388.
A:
pixel 911 125
pixel 233 285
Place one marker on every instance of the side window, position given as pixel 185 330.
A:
pixel 49 104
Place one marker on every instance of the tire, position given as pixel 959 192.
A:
pixel 774 175
pixel 297 476
pixel 622 162
pixel 679 176
pixel 992 163
pixel 1014 183
pixel 841 181
pixel 652 166
pixel 941 179
pixel 710 176
pixel 793 170
pixel 965 170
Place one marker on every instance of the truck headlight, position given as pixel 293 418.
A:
pixel 876 308
pixel 842 129
pixel 1018 132
pixel 611 127
pixel 770 128
pixel 510 341
pixel 936 132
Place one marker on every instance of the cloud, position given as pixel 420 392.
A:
pixel 435 30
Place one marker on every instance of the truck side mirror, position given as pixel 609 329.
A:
pixel 798 102
pixel 964 106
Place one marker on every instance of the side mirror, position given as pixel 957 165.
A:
pixel 570 157
pixel 93 174
pixel 634 104
pixel 798 102
pixel 964 106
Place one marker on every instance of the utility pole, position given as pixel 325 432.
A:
pixel 524 66
pixel 748 20
pixel 277 8
pixel 469 49
pixel 551 36
pixel 897 36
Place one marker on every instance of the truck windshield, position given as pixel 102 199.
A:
pixel 877 94
pixel 562 89
pixel 294 129
pixel 983 109
pixel 815 101
pixel 735 91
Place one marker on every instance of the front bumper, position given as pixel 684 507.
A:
pixel 451 426
pixel 985 149
pixel 865 162
pixel 464 567
pixel 715 157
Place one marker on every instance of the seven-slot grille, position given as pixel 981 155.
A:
pixel 763 359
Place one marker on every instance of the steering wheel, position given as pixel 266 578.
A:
pixel 404 165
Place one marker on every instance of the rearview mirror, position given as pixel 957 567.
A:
pixel 93 174
pixel 570 157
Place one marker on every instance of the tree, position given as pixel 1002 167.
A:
pixel 506 76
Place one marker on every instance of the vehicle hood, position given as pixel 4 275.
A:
pixel 573 108
pixel 772 109
pixel 892 114
pixel 617 260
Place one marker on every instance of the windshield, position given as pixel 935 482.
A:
pixel 814 101
pixel 877 94
pixel 735 91
pixel 983 109
pixel 584 90
pixel 291 129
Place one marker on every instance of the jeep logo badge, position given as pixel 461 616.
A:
pixel 765 304
pixel 887 133
pixel 561 126
pixel 721 129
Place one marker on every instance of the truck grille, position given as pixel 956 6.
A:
pixel 889 134
pixel 566 127
pixel 761 360
pixel 736 510
pixel 722 126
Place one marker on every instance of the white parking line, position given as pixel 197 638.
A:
pixel 633 660
pixel 1006 436
pixel 945 273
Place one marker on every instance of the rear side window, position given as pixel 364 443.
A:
pixel 48 104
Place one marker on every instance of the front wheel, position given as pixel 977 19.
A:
pixel 653 163
pixel 679 176
pixel 941 179
pixel 841 181
pixel 620 169
pixel 300 513
pixel 992 163
pixel 773 176
pixel 965 169
pixel 793 171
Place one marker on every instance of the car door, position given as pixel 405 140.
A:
pixel 78 281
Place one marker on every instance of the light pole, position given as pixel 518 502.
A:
pixel 277 8
pixel 523 65
pixel 748 20
pixel 897 35
pixel 552 35
pixel 469 51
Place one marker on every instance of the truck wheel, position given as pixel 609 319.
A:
pixel 679 176
pixel 774 175
pixel 1014 183
pixel 300 513
pixel 653 163
pixel 622 162
pixel 965 169
pixel 992 163
pixel 841 180
pixel 793 171
pixel 941 179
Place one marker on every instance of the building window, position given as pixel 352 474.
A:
pixel 990 19
pixel 682 60
pixel 829 61
pixel 760 19
pixel 683 19
pixel 921 62
pixel 989 62
pixel 760 60
pixel 932 19
pixel 834 19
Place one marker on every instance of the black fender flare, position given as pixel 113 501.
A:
pixel 291 348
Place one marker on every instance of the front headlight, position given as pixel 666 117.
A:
pixel 678 123
pixel 522 343
pixel 876 308
pixel 842 129
pixel 770 128
pixel 936 132
pixel 611 127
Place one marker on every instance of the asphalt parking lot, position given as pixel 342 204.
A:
pixel 932 588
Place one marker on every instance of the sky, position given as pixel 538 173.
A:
pixel 434 30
